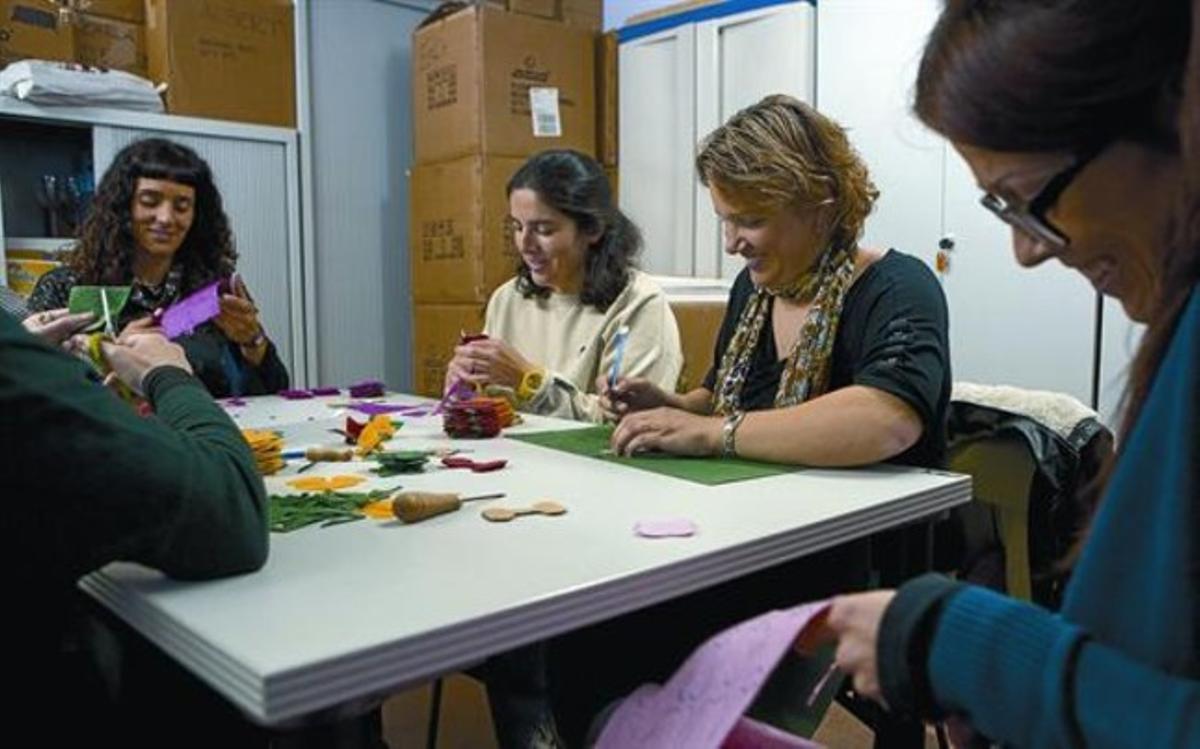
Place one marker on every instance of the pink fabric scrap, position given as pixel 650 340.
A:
pixel 665 528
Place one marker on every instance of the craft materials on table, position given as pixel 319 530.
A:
pixel 367 389
pixel 267 447
pixel 104 302
pixel 475 466
pixel 189 313
pixel 702 706
pixel 392 462
pixel 289 512
pixel 477 417
pixel 505 514
pixel 371 435
pixel 316 455
pixel 295 394
pixel 665 528
pixel 593 442
pixel 413 507
pixel 325 483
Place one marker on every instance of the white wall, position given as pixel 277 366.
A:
pixel 616 11
pixel 359 67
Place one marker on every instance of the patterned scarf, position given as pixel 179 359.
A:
pixel 806 373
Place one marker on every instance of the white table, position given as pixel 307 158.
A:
pixel 361 610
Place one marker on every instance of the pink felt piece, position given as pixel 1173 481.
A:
pixel 701 704
pixel 665 528
pixel 192 311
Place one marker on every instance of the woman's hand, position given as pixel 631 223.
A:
pixel 629 395
pixel 55 326
pixel 668 430
pixel 855 620
pixel 239 322
pixel 488 361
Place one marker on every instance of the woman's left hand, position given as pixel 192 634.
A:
pixel 855 620
pixel 668 430
pixel 239 322
pixel 494 362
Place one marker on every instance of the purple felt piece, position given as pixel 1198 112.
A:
pixel 664 527
pixel 326 390
pixel 295 395
pixel 701 704
pixel 366 389
pixel 235 401
pixel 192 311
pixel 374 409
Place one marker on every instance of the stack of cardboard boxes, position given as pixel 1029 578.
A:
pixel 491 86
pixel 225 59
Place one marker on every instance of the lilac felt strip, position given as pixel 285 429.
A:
pixel 192 311
pixel 701 704
pixel 371 409
pixel 295 395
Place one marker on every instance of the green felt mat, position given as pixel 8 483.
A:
pixel 593 442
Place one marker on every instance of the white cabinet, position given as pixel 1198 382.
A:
pixel 1029 328
pixel 680 83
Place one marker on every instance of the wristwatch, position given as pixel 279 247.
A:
pixel 531 383
pixel 729 434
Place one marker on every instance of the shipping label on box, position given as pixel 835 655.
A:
pixel 460 239
pixel 473 74
pixel 436 331
pixel 31 30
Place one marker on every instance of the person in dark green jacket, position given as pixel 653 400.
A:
pixel 87 481
pixel 1081 121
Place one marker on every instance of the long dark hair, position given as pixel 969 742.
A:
pixel 1032 75
pixel 573 184
pixel 105 249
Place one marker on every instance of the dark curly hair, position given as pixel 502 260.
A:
pixel 573 184
pixel 105 248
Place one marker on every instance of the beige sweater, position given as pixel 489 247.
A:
pixel 573 342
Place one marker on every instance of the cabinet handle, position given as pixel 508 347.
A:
pixel 946 242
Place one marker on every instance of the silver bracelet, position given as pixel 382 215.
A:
pixel 729 434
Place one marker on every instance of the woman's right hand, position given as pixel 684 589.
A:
pixel 56 325
pixel 631 394
pixel 139 349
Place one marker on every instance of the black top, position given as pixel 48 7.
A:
pixel 215 359
pixel 893 336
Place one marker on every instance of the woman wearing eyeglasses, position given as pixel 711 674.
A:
pixel 830 354
pixel 1081 121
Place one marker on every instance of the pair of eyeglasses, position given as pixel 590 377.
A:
pixel 1030 216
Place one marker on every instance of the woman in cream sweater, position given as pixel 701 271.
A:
pixel 553 329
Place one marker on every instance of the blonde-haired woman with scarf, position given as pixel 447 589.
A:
pixel 830 354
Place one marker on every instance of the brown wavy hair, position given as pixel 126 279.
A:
pixel 104 251
pixel 781 152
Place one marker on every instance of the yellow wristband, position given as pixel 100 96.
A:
pixel 531 383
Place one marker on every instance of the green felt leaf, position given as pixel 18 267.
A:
pixel 87 299
pixel 593 442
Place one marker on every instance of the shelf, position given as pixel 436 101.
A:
pixel 41 244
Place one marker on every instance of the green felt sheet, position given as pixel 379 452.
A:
pixel 593 442
pixel 87 299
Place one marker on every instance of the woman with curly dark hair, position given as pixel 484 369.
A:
pixel 554 329
pixel 831 354
pixel 157 224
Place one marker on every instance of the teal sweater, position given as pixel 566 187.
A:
pixel 1120 667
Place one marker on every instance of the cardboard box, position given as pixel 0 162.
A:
pixel 29 29
pixel 226 59
pixel 131 11
pixel 607 99
pixel 699 323
pixel 614 180
pixel 472 75
pixel 584 14
pixel 436 330
pixel 461 247
pixel 110 43
pixel 540 8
